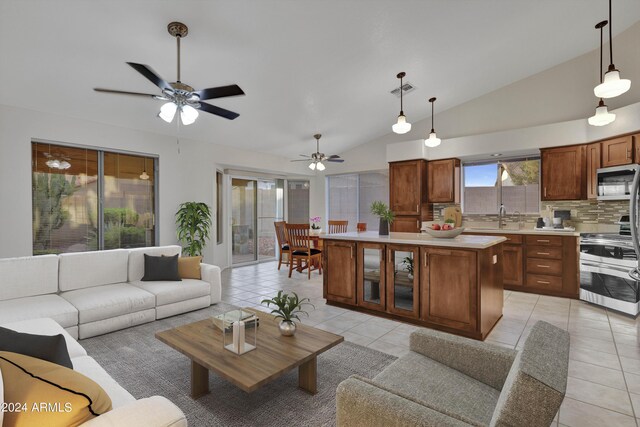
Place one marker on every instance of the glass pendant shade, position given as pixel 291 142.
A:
pixel 188 114
pixel 320 166
pixel 602 117
pixel 432 141
pixel 312 166
pixel 168 111
pixel 402 126
pixel 612 85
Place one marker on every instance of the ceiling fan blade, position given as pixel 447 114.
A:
pixel 335 160
pixel 151 75
pixel 333 156
pixel 219 92
pixel 301 160
pixel 218 111
pixel 123 92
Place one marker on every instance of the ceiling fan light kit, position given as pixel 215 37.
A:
pixel 602 117
pixel 401 126
pixel 611 85
pixel 180 96
pixel 433 140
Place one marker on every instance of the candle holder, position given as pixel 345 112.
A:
pixel 240 331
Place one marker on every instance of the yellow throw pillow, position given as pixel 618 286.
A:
pixel 189 267
pixel 41 393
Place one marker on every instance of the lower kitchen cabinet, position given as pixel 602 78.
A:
pixel 402 284
pixel 339 271
pixel 371 276
pixel 456 290
pixel 448 283
pixel 513 262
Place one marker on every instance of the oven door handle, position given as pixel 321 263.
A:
pixel 610 270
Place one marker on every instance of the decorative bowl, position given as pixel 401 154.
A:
pixel 445 234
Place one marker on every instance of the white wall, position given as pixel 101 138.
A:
pixel 185 176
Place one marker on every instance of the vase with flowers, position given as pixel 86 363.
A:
pixel 315 224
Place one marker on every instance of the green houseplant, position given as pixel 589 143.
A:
pixel 408 264
pixel 193 221
pixel 288 308
pixel 385 214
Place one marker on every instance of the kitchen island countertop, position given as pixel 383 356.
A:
pixel 462 241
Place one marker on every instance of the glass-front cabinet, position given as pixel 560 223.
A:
pixel 402 281
pixel 371 276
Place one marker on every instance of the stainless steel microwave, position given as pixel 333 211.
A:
pixel 615 183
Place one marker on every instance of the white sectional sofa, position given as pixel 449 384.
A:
pixel 155 411
pixel 92 293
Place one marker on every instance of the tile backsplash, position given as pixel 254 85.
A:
pixel 582 212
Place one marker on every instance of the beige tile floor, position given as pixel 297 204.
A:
pixel 603 388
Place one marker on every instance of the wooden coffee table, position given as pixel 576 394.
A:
pixel 274 356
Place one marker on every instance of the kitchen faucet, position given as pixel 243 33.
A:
pixel 502 213
pixel 520 222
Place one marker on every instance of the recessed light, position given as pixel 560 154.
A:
pixel 496 155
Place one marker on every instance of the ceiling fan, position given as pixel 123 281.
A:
pixel 317 158
pixel 180 96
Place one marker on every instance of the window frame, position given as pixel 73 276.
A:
pixel 100 184
pixel 496 162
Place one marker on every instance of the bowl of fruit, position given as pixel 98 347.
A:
pixel 447 230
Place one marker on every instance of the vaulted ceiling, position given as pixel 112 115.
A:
pixel 306 66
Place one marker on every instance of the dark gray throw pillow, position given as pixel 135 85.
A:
pixel 160 268
pixel 52 348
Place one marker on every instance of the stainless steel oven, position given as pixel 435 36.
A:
pixel 605 262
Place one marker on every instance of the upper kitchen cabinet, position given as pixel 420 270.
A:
pixel 617 151
pixel 407 186
pixel 444 181
pixel 594 162
pixel 564 173
pixel 636 147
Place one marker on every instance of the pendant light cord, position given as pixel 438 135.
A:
pixel 610 38
pixel 601 40
pixel 432 116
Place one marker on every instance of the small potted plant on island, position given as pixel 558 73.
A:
pixel 385 214
pixel 288 308
pixel 315 225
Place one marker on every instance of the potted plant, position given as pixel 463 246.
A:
pixel 385 214
pixel 193 221
pixel 288 308
pixel 408 265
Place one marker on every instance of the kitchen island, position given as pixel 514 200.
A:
pixel 450 284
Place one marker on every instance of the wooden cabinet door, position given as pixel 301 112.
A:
pixel 448 286
pixel 513 267
pixel 594 161
pixel 403 291
pixel 617 151
pixel 406 224
pixel 371 275
pixel 339 265
pixel 636 148
pixel 405 187
pixel 564 173
pixel 442 181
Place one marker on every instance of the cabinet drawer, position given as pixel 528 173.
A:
pixel 550 252
pixel 542 281
pixel 544 266
pixel 513 239
pixel 544 240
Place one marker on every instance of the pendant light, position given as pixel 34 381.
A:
pixel 433 140
pixel 402 126
pixel 602 117
pixel 612 85
pixel 144 175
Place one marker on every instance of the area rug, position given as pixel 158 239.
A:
pixel 146 367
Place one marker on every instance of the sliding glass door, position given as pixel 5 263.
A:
pixel 255 205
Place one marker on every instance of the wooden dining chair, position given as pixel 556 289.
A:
pixel 302 255
pixel 362 226
pixel 336 226
pixel 281 236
